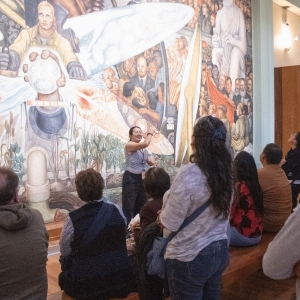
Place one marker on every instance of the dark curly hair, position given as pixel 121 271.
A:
pixel 9 182
pixel 89 185
pixel 213 158
pixel 245 170
pixel 156 182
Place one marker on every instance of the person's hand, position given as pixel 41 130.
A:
pixel 229 39
pixel 215 41
pixel 76 71
pixel 4 60
pixel 297 269
pixel 142 111
pixel 135 226
pixel 45 55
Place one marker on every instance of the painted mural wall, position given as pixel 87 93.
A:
pixel 76 75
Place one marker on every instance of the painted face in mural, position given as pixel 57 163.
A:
pixel 127 65
pixel 132 71
pixel 228 86
pixel 222 81
pixel 249 86
pixel 242 88
pixel 152 69
pixel 215 72
pixel 204 9
pixel 212 109
pixel 202 92
pixel 158 59
pixel 227 2
pixel 220 113
pixel 237 86
pixel 46 17
pixel 142 67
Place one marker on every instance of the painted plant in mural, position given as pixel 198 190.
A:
pixel 76 75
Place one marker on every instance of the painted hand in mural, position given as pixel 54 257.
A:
pixel 76 71
pixel 9 60
pixel 45 55
pixel 216 41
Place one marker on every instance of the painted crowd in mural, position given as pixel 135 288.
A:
pixel 76 75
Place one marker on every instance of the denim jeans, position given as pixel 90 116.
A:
pixel 133 195
pixel 200 278
pixel 237 239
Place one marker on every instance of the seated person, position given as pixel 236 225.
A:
pixel 282 258
pixel 94 259
pixel 246 220
pixel 277 194
pixel 156 183
pixel 23 246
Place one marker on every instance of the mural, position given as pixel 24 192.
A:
pixel 76 75
pixel 226 80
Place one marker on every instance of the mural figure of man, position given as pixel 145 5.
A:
pixel 222 110
pixel 228 87
pixel 42 35
pixel 245 97
pixel 141 79
pixel 205 24
pixel 229 41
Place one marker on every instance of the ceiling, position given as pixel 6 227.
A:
pixel 291 7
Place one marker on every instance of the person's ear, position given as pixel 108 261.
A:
pixel 16 196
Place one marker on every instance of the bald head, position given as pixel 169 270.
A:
pixel 9 182
pixel 142 66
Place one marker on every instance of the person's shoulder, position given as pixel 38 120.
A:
pixel 190 170
pixel 134 78
pixel 150 79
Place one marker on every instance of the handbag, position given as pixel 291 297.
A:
pixel 155 257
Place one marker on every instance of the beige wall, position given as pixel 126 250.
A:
pixel 281 57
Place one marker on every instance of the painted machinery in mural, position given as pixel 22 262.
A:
pixel 69 98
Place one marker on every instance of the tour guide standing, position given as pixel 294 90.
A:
pixel 136 157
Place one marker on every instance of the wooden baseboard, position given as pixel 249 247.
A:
pixel 54 230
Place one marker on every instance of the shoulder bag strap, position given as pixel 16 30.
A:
pixel 186 222
pixel 99 223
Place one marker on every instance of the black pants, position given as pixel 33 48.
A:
pixel 295 192
pixel 133 195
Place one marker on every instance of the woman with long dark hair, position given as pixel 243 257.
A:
pixel 246 218
pixel 291 166
pixel 136 155
pixel 197 256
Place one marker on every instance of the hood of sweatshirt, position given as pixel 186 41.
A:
pixel 15 216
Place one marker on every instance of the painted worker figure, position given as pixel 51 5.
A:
pixel 43 35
